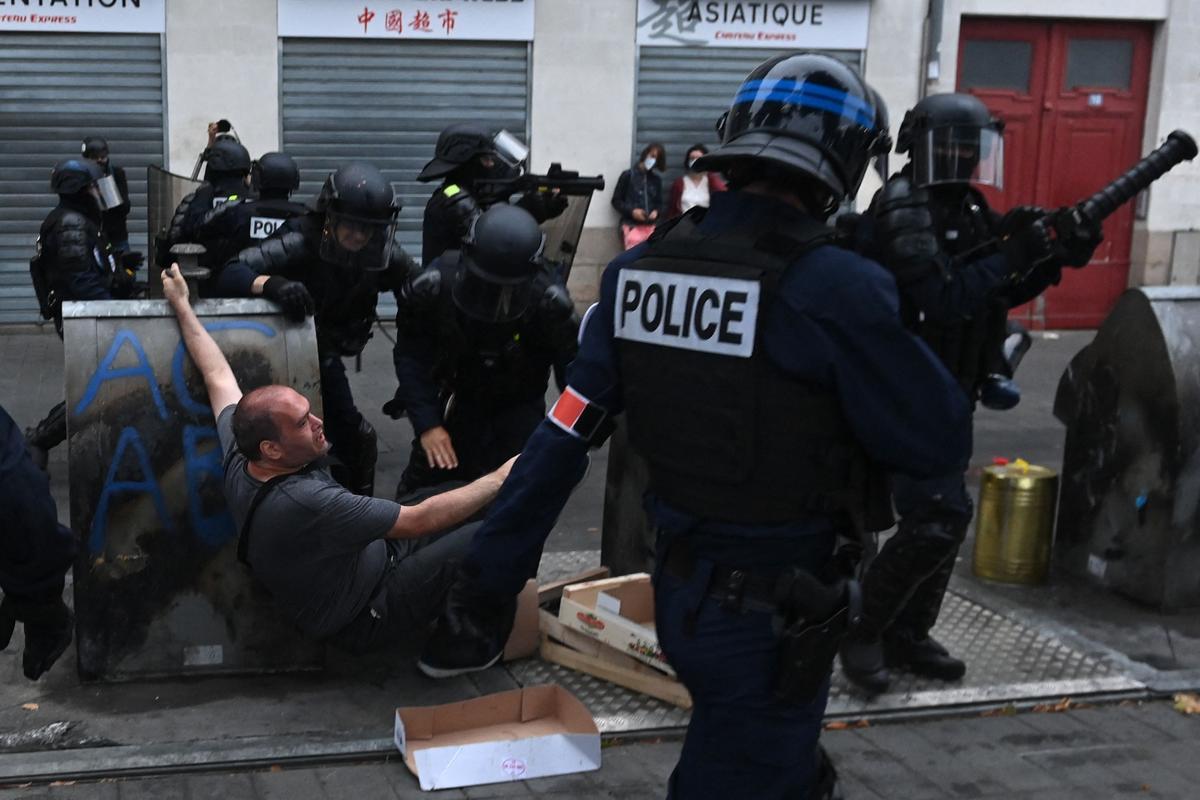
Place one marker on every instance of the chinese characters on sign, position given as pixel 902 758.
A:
pixel 829 25
pixel 511 20
pixel 365 18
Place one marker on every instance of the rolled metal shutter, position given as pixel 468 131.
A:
pixel 682 91
pixel 58 89
pixel 385 102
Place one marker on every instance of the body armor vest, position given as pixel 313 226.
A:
pixel 967 347
pixel 495 363
pixel 727 434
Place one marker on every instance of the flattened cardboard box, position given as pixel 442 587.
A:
pixel 509 736
pixel 619 612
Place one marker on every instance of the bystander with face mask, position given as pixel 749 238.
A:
pixel 695 187
pixel 639 195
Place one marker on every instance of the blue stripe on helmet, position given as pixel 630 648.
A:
pixel 807 100
pixel 853 101
pixel 851 107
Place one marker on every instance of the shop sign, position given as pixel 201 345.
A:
pixel 782 24
pixel 419 20
pixel 83 16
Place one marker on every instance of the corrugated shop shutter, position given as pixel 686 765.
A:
pixel 385 102
pixel 682 91
pixel 57 89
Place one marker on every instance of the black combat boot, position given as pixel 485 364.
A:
pixel 923 656
pixel 48 626
pixel 906 642
pixel 863 663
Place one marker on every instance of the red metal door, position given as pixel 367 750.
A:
pixel 1076 125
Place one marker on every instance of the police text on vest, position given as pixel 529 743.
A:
pixel 692 312
pixel 262 227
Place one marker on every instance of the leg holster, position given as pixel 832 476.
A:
pixel 811 638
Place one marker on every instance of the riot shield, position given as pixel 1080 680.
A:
pixel 164 192
pixel 563 232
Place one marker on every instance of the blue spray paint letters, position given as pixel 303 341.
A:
pixel 129 439
pixel 179 381
pixel 105 372
pixel 213 529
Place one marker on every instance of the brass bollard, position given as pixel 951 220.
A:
pixel 1015 522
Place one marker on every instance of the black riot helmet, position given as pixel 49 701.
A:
pixel 227 157
pixel 808 114
pixel 95 148
pixel 459 144
pixel 360 211
pixel 275 175
pixel 75 176
pixel 501 255
pixel 953 138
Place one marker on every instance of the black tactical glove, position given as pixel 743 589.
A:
pixel 1025 239
pixel 295 300
pixel 904 231
pixel 394 408
pixel 1075 238
pixel 48 624
pixel 543 205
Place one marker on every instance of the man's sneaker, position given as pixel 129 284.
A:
pixel 467 639
pixel 863 664
pixel 924 657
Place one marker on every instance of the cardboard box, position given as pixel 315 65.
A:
pixel 618 612
pixel 510 736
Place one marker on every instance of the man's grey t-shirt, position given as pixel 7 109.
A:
pixel 318 548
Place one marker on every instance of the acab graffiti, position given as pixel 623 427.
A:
pixel 130 470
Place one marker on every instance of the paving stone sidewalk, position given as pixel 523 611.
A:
pixel 1131 749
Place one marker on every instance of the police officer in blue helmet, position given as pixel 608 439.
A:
pixel 766 377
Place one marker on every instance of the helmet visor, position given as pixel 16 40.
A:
pixel 959 154
pixel 487 301
pixel 358 242
pixel 108 193
pixel 509 149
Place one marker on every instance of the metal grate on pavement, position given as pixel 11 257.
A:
pixel 1007 661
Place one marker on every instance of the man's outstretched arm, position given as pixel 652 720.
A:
pixel 222 386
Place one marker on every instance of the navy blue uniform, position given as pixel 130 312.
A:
pixel 835 326
pixel 35 551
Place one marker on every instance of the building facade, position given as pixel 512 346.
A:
pixel 1085 87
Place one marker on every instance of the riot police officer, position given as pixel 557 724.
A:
pixel 239 223
pixel 226 178
pixel 477 333
pixel 762 373
pixel 114 220
pixel 35 554
pixel 959 267
pixel 73 262
pixel 333 262
pixel 467 154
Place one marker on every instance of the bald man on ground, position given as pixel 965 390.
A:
pixel 360 572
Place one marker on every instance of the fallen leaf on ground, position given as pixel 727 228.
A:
pixel 30 706
pixel 1003 711
pixel 1187 703
pixel 841 725
pixel 1066 704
